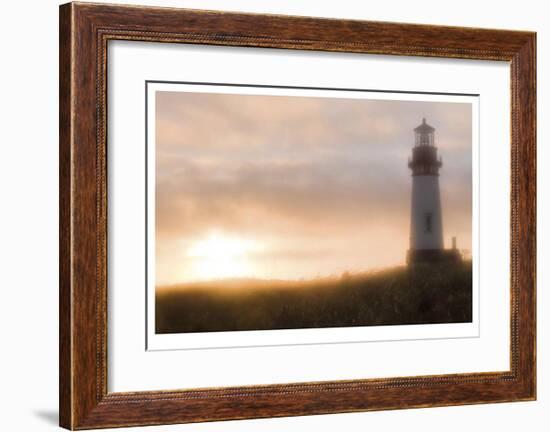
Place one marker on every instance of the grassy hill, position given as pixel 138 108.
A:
pixel 422 295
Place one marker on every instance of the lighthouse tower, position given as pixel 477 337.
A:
pixel 426 237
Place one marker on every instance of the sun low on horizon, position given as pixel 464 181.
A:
pixel 220 256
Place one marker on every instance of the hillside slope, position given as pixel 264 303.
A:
pixel 427 294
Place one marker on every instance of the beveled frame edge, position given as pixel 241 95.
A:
pixel 85 30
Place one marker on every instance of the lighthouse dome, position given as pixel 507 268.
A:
pixel 424 128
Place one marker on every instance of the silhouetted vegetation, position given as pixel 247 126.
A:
pixel 426 294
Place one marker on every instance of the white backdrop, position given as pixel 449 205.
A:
pixel 291 357
pixel 28 222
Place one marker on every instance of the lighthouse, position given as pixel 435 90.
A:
pixel 426 235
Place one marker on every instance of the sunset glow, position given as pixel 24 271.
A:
pixel 218 256
pixel 292 188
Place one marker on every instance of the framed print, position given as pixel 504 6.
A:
pixel 268 216
pixel 327 254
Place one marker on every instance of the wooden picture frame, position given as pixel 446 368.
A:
pixel 85 31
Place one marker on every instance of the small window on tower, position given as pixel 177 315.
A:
pixel 428 221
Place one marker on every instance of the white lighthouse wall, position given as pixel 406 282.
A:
pixel 426 203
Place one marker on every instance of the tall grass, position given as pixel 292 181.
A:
pixel 427 294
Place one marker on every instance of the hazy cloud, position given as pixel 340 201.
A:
pixel 323 183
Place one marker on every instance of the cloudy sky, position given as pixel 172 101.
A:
pixel 286 187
